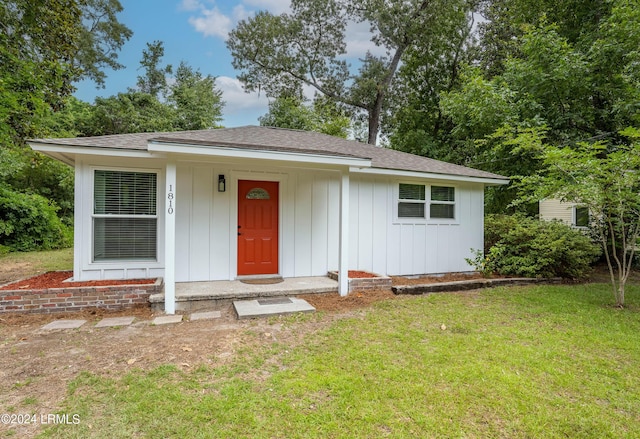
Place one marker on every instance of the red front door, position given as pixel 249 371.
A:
pixel 257 227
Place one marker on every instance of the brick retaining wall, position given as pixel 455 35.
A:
pixel 365 283
pixel 77 298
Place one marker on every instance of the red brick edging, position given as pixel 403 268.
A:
pixel 365 283
pixel 52 300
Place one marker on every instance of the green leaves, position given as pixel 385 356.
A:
pixel 323 116
pixel 29 222
pixel 280 54
pixel 604 178
pixel 521 246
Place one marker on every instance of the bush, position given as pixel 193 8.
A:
pixel 29 222
pixel 521 246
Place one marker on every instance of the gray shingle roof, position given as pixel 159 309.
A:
pixel 278 139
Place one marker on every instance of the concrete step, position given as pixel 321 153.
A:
pixel 265 307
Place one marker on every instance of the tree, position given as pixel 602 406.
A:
pixel 196 100
pixel 130 112
pixel 279 54
pixel 505 22
pixel 154 80
pixel 605 179
pixel 554 92
pixel 101 37
pixel 291 112
pixel 45 46
pixel 191 102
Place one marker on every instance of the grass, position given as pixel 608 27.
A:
pixel 545 361
pixel 49 260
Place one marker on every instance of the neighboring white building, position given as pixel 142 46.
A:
pixel 572 214
pixel 217 204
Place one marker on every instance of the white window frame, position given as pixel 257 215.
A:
pixel 445 203
pixel 93 216
pixel 427 204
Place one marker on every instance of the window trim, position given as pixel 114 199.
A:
pixel 433 202
pixel 109 262
pixel 428 202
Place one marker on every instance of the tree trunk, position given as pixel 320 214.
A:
pixel 383 86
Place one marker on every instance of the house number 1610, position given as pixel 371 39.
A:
pixel 170 198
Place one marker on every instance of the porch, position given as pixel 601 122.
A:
pixel 195 296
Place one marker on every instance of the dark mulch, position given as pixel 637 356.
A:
pixel 56 279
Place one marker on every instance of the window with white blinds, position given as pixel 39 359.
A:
pixel 442 202
pixel 413 202
pixel 125 222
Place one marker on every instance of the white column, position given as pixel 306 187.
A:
pixel 343 271
pixel 170 240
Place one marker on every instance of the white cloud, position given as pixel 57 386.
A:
pixel 212 23
pixel 237 100
pixel 241 13
pixel 358 38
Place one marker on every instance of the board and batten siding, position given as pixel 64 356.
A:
pixel 385 245
pixel 206 222
pixel 309 213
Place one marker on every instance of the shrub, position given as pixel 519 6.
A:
pixel 521 246
pixel 29 222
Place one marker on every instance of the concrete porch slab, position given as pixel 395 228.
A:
pixel 204 296
pixel 63 324
pixel 246 309
pixel 115 321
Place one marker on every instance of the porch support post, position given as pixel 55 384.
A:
pixel 343 271
pixel 170 240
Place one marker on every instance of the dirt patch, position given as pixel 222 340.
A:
pixel 36 366
pixel 450 277
pixel 56 279
pixel 12 271
pixel 335 303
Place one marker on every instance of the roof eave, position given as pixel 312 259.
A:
pixel 67 153
pixel 252 153
pixel 488 181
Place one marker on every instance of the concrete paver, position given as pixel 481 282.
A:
pixel 115 321
pixel 63 324
pixel 205 315
pixel 164 320
pixel 246 309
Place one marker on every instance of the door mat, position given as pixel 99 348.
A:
pixel 265 281
pixel 274 301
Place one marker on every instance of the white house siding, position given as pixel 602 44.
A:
pixel 206 223
pixel 383 244
pixel 84 269
pixel 552 208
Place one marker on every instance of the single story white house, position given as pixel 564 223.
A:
pixel 220 204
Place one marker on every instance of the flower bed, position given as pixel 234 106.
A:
pixel 50 293
pixel 363 280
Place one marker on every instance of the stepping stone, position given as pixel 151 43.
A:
pixel 205 315
pixel 115 321
pixel 63 324
pixel 247 309
pixel 164 320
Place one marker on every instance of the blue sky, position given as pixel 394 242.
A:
pixel 194 31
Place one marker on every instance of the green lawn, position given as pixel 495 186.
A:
pixel 545 361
